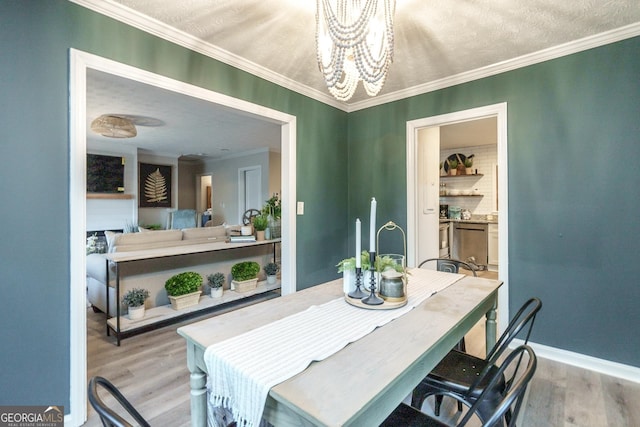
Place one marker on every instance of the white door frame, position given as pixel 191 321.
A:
pixel 242 190
pixel 500 112
pixel 79 63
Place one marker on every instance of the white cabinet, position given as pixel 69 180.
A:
pixel 493 245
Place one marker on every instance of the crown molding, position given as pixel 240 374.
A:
pixel 152 26
pixel 159 29
pixel 555 52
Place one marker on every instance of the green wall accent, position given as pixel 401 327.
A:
pixel 573 137
pixel 36 37
pixel 572 208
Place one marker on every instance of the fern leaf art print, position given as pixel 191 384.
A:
pixel 155 187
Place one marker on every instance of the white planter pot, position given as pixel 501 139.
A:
pixel 184 301
pixel 349 281
pixel 136 313
pixel 244 285
pixel 272 279
pixel 217 292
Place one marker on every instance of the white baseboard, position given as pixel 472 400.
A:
pixel 606 367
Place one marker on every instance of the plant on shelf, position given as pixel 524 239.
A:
pixel 468 162
pixel 245 275
pixel 134 299
pixel 260 223
pixel 453 166
pixel 272 207
pixel 216 283
pixel 271 269
pixel 184 289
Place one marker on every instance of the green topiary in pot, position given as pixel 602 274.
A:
pixel 183 283
pixel 261 222
pixel 271 269
pixel 245 270
pixel 135 297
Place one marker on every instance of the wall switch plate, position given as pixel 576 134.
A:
pixel 300 208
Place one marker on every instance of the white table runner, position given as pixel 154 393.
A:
pixel 243 369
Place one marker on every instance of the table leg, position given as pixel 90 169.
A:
pixel 198 384
pixel 491 327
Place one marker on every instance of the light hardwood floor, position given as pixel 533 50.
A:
pixel 150 370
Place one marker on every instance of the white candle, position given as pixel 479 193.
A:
pixel 372 229
pixel 358 243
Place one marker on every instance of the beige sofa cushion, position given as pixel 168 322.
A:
pixel 205 233
pixel 118 241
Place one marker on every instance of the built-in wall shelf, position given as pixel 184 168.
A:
pixel 118 196
pixel 460 176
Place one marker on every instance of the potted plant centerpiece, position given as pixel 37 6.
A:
pixel 134 299
pixel 348 269
pixel 216 283
pixel 271 269
pixel 245 276
pixel 260 223
pixel 184 289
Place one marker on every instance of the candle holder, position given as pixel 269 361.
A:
pixel 372 299
pixel 358 293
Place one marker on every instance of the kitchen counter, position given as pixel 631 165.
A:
pixel 476 219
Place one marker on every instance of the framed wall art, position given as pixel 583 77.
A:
pixel 154 187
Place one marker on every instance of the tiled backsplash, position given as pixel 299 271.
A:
pixel 484 160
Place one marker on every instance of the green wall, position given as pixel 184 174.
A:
pixel 573 137
pixel 35 38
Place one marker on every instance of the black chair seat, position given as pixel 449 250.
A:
pixel 457 373
pixel 407 416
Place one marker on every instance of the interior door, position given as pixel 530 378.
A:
pixel 428 193
pixel 250 189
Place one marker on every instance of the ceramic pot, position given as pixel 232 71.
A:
pixel 136 313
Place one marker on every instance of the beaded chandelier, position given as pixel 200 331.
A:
pixel 354 41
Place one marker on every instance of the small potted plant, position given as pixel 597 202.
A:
pixel 184 289
pixel 348 269
pixel 271 269
pixel 134 299
pixel 468 162
pixel 216 283
pixel 245 276
pixel 260 223
pixel 453 166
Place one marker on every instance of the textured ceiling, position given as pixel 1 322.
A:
pixel 435 40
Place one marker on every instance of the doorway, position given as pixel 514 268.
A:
pixel 423 188
pixel 80 62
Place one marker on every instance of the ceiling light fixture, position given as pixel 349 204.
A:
pixel 354 41
pixel 114 126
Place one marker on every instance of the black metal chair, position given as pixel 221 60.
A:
pixel 467 377
pixel 108 416
pixel 449 265
pixel 504 412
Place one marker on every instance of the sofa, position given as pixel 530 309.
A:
pixel 151 274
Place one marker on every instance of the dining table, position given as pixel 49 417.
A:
pixel 363 382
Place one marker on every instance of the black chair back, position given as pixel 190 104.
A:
pixel 108 416
pixel 449 265
pixel 506 412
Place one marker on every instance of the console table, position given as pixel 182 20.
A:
pixel 164 315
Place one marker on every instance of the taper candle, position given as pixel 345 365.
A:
pixel 372 228
pixel 358 243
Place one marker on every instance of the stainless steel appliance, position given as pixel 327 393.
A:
pixel 470 240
